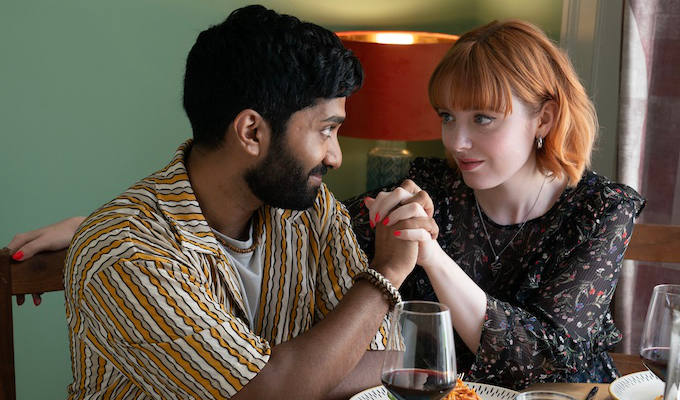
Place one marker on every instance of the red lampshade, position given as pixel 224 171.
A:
pixel 393 102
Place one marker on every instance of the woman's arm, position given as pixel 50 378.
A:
pixel 52 237
pixel 453 286
pixel 558 327
pixel 564 321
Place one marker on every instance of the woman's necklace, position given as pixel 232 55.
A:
pixel 526 218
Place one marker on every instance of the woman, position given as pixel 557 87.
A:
pixel 531 242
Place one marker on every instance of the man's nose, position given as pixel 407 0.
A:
pixel 333 157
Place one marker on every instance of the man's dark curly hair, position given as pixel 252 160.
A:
pixel 272 63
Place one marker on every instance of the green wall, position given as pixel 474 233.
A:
pixel 90 102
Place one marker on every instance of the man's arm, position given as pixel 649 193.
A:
pixel 312 364
pixel 154 320
pixel 318 362
pixel 365 375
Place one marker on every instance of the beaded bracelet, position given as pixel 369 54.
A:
pixel 379 281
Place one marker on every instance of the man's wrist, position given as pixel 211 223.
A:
pixel 380 282
pixel 390 272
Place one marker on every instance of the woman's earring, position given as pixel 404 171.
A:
pixel 539 143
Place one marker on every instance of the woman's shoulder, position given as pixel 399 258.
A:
pixel 596 199
pixel 602 193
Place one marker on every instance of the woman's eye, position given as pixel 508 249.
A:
pixel 483 119
pixel 446 117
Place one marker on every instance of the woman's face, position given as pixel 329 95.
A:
pixel 491 149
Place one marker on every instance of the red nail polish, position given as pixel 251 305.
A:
pixel 20 299
pixel 372 224
pixel 36 299
pixel 377 217
pixel 386 221
pixel 18 255
pixel 397 233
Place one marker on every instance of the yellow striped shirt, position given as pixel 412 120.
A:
pixel 153 305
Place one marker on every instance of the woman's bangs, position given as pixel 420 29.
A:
pixel 464 84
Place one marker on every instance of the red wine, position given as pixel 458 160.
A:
pixel 418 384
pixel 656 360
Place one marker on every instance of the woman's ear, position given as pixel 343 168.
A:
pixel 252 131
pixel 546 118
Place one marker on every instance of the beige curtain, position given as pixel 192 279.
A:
pixel 649 143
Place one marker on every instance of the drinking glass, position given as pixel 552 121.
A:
pixel 420 359
pixel 672 389
pixel 656 333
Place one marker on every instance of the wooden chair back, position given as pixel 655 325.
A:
pixel 649 244
pixel 655 243
pixel 41 273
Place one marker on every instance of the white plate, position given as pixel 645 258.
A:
pixel 485 392
pixel 637 386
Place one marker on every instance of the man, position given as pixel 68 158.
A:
pixel 229 273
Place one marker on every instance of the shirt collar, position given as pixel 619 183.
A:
pixel 177 201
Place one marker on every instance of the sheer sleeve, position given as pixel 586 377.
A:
pixel 564 315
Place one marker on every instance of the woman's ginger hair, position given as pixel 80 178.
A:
pixel 490 64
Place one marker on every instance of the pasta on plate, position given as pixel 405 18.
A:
pixel 462 392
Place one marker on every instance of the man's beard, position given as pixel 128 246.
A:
pixel 280 180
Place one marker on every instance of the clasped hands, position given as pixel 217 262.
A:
pixel 405 232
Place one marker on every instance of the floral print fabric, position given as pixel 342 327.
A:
pixel 547 316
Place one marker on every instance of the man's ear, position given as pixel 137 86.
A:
pixel 547 116
pixel 252 131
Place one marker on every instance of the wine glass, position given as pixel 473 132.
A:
pixel 656 333
pixel 420 359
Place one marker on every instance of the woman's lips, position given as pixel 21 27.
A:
pixel 468 164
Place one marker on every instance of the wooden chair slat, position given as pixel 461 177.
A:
pixel 655 243
pixel 39 274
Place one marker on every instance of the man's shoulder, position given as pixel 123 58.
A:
pixel 128 220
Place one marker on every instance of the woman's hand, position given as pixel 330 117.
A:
pixel 52 237
pixel 418 231
pixel 385 202
pixel 408 210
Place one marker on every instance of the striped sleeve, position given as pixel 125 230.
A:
pixel 159 325
pixel 341 259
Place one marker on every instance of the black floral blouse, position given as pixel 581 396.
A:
pixel 547 316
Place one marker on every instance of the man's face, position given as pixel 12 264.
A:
pixel 290 175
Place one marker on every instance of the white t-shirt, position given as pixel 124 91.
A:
pixel 249 268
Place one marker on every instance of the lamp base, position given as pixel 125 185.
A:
pixel 387 163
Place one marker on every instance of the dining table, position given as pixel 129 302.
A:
pixel 625 363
